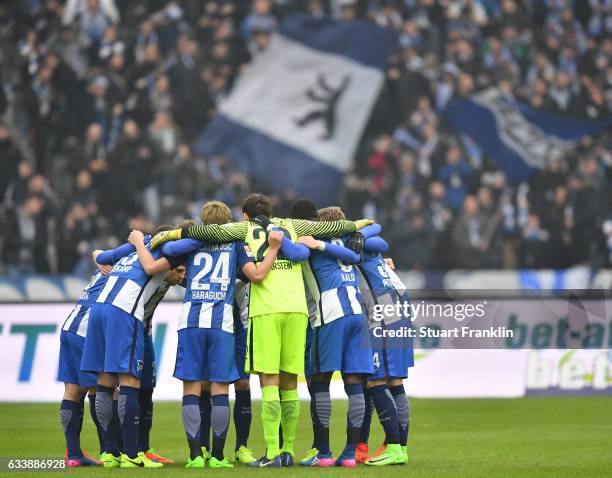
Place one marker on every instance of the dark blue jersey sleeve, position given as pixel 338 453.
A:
pixel 243 257
pixel 376 244
pixel 111 256
pixel 371 230
pixel 342 253
pixel 181 247
pixel 241 276
pixel 294 252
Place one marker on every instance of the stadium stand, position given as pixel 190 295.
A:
pixel 101 101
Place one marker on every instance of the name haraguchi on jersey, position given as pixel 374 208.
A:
pixel 211 279
pixel 129 287
pixel 78 319
pixel 338 286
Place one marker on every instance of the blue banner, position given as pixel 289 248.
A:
pixel 517 137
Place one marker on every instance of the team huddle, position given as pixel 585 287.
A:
pixel 275 297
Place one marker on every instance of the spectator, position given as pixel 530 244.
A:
pixel 106 99
pixel 472 236
pixel 9 160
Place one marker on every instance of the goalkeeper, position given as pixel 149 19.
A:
pixel 277 314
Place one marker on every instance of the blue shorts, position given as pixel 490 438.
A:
pixel 148 379
pixel 342 345
pixel 307 365
pixel 205 354
pixel 114 342
pixel 392 356
pixel 71 353
pixel 240 347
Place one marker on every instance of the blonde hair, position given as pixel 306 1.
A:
pixel 331 213
pixel 215 212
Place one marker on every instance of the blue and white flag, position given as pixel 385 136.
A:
pixel 520 139
pixel 296 115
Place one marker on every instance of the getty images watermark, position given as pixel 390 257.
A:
pixel 456 311
pixel 493 319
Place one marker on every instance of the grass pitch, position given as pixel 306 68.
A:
pixel 525 437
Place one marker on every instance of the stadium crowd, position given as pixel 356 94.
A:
pixel 101 101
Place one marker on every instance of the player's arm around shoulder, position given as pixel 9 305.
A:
pixel 216 233
pixel 232 231
pixel 101 265
pixel 149 264
pixel 327 228
pixel 337 251
pixel 257 272
pixel 294 251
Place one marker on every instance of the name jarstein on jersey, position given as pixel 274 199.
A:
pixel 282 265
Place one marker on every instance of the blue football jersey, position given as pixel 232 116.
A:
pixel 210 286
pixel 79 317
pixel 338 285
pixel 383 284
pixel 129 287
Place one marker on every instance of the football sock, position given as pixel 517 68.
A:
pixel 94 417
pixel 387 414
pixel 129 417
pixel 270 418
pixel 403 412
pixel 145 399
pixel 81 413
pixel 354 416
pixel 280 430
pixel 69 418
pixel 205 410
pixel 191 421
pixel 219 421
pixel 312 419
pixel 367 417
pixel 116 425
pixel 104 412
pixel 242 417
pixel 322 414
pixel 290 415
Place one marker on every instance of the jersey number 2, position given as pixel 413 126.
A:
pixel 220 274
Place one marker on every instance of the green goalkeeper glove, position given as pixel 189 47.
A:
pixel 361 223
pixel 165 236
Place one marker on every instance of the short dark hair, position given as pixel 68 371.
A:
pixel 162 228
pixel 184 223
pixel 256 204
pixel 304 208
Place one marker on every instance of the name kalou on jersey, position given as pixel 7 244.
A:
pixel 338 285
pixel 210 286
pixel 78 319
